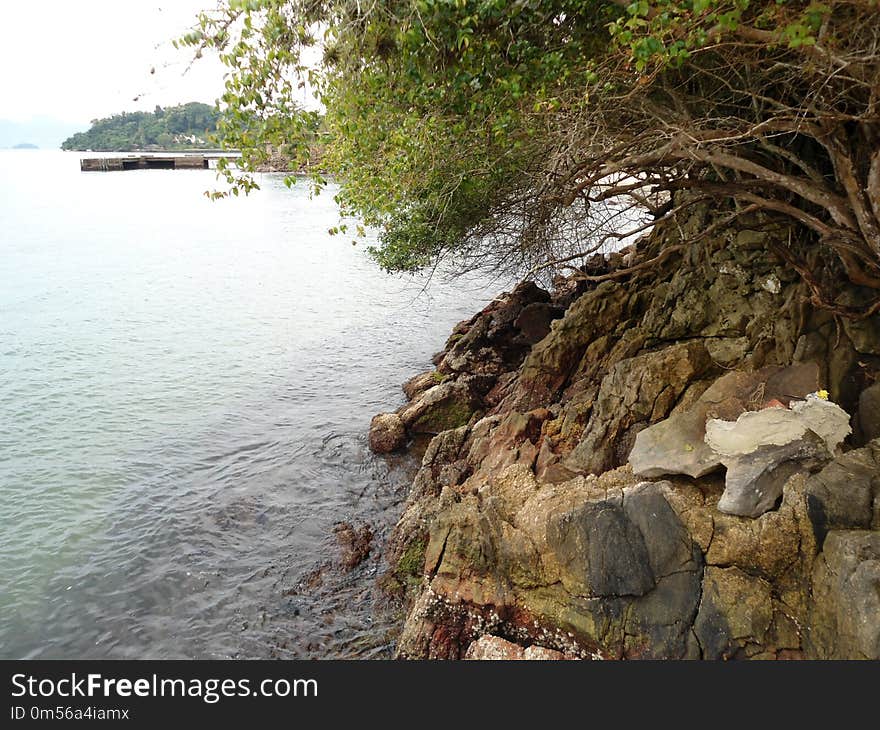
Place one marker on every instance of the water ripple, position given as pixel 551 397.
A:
pixel 185 389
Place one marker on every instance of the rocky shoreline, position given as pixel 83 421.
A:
pixel 681 466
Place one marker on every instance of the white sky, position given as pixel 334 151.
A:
pixel 77 60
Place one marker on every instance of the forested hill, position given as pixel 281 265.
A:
pixel 187 126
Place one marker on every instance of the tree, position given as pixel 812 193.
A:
pixel 527 131
pixel 167 128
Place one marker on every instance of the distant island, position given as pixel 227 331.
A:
pixel 184 127
pixel 25 146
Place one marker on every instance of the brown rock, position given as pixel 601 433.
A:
pixel 355 543
pixel 418 384
pixel 387 433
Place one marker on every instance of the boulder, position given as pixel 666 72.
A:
pixel 387 433
pixel 443 407
pixel 845 495
pixel 418 384
pixel 355 543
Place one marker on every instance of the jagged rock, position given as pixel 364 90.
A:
pixel 443 407
pixel 492 341
pixel 637 392
pixel 495 648
pixel 844 621
pixel 869 412
pixel 512 440
pixel 763 449
pixel 505 535
pixel 552 361
pixel 846 493
pixel 677 445
pixel 387 433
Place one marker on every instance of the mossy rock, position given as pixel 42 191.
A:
pixel 412 563
pixel 443 416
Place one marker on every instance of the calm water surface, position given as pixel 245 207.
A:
pixel 185 390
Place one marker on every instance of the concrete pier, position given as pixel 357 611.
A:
pixel 146 162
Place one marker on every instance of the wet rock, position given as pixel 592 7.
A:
pixel 355 543
pixel 387 433
pixel 844 621
pixel 495 648
pixel 443 407
pixel 869 412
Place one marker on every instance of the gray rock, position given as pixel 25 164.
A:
pixel 658 625
pixel 869 412
pixel 755 480
pixel 600 551
pixel 763 449
pixel 387 433
pixel 845 615
pixel 843 494
pixel 669 545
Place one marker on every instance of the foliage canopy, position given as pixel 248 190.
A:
pixel 529 131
